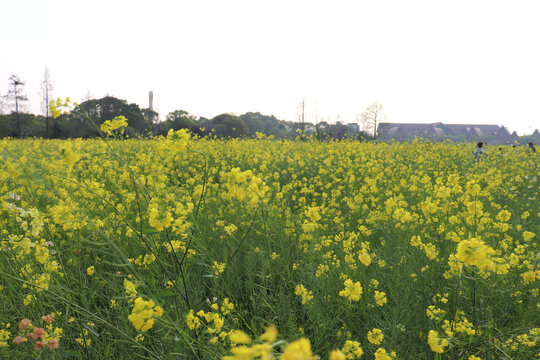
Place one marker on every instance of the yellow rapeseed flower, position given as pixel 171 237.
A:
pixel 474 252
pixel 437 345
pixel 337 355
pixel 109 126
pixel 239 337
pixel 380 297
pixel 352 291
pixel 375 336
pixel 270 334
pixel 306 295
pixel 298 350
pixel 90 271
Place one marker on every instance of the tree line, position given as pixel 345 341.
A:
pixel 84 119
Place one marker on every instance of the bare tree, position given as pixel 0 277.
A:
pixel 89 96
pixel 46 97
pixel 371 118
pixel 15 94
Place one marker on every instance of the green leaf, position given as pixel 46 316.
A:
pixel 150 231
pixel 165 294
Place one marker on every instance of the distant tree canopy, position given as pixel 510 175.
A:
pixel 109 107
pixel 142 122
pixel 228 125
pixel 268 125
pixel 150 116
pixel 181 119
pixel 31 125
pixel 98 111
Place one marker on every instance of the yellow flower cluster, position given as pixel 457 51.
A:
pixel 474 252
pixel 218 268
pixel 381 354
pixel 143 314
pixel 90 270
pixel 244 186
pixel 380 297
pixel 435 343
pixel 177 141
pixel 297 350
pixel 352 291
pixel 130 289
pixel 375 336
pixel 352 349
pixel 67 216
pixel 418 220
pixel 157 219
pixel 38 264
pixel 4 336
pixel 301 291
pixel 59 107
pixel 430 249
pixel 434 313
pixel 143 261
pixel 214 321
pixel 109 126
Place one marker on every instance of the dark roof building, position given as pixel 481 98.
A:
pixel 514 136
pixel 439 131
pixel 503 136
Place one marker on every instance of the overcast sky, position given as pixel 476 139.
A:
pixel 473 61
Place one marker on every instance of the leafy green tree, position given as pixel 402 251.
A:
pixel 268 125
pixel 8 126
pixel 31 125
pixel 228 125
pixel 72 126
pixel 109 107
pixel 181 119
pixel 254 122
pixel 97 111
pixel 152 118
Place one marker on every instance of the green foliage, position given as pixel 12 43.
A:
pixel 303 212
pixel 109 107
pixel 8 125
pixel 227 125
pixel 31 125
pixel 180 119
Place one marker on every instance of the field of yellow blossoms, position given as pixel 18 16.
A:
pixel 183 248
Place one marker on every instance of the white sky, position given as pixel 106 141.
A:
pixel 459 61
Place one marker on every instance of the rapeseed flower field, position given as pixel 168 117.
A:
pixel 185 248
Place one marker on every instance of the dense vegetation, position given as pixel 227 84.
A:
pixel 84 119
pixel 189 248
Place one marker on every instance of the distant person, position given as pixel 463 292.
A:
pixel 479 151
pixel 531 147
